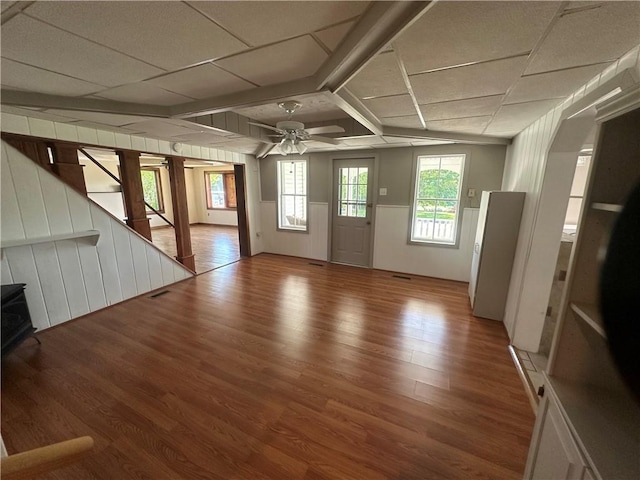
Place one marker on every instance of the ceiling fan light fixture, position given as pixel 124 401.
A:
pixel 300 146
pixel 286 146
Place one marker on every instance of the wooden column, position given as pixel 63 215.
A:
pixel 243 219
pixel 181 212
pixel 36 150
pixel 67 166
pixel 132 191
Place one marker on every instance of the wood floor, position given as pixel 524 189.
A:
pixel 213 245
pixel 273 368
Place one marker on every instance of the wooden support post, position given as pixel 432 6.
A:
pixel 243 218
pixel 181 212
pixel 36 150
pixel 67 166
pixel 133 194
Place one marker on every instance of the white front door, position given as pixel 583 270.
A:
pixel 352 211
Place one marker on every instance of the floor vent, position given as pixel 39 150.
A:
pixel 316 264
pixel 159 293
pixel 402 277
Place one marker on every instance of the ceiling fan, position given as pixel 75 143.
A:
pixel 293 133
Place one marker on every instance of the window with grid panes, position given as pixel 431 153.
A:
pixel 292 195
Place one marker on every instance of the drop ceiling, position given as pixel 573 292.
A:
pixel 428 72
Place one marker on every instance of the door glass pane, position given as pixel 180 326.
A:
pixel 352 191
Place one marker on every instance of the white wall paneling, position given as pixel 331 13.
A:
pixel 312 244
pixel 69 278
pixel 393 253
pixel 527 169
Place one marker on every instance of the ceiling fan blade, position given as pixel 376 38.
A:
pixel 325 129
pixel 316 138
pixel 263 125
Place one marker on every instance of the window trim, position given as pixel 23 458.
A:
pixel 414 188
pixel 279 195
pixel 207 189
pixel 158 178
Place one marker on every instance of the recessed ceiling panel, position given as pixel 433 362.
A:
pixel 315 108
pixel 453 33
pixel 260 23
pixel 380 77
pixel 35 43
pixel 590 36
pixel 512 119
pixel 332 36
pixel 394 106
pixel 407 121
pixel 200 82
pixel 169 35
pixel 491 78
pixel 143 93
pixel 461 125
pixel 470 107
pixel 553 84
pixel 289 60
pixel 26 77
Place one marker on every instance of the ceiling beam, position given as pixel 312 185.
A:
pixel 59 102
pixel 453 137
pixel 353 107
pixel 376 28
pixel 246 98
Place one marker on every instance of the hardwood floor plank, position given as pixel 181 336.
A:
pixel 271 368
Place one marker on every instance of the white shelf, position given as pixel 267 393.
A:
pixel 591 315
pixel 606 423
pixel 607 207
pixel 91 236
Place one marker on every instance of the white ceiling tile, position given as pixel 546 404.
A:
pixel 104 118
pixel 408 121
pixel 469 107
pixel 512 119
pixel 394 140
pixel 159 128
pixel 590 36
pixel 491 78
pixel 394 106
pixel 169 35
pixel 380 77
pixel 26 77
pixel 453 33
pixel 35 114
pixel 316 108
pixel 288 60
pixel 35 43
pixel 5 5
pixel 200 82
pixel 422 143
pixel 260 23
pixel 362 141
pixel 551 85
pixel 461 125
pixel 143 93
pixel 332 36
pixel 406 143
pixel 102 126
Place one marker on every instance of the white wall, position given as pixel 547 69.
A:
pixel 392 252
pixel 69 278
pixel 527 170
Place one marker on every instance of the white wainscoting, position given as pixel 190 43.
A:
pixel 220 217
pixel 69 278
pixel 312 244
pixel 392 252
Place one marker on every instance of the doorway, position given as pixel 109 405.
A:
pixel 352 211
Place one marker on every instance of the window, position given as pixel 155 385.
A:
pixel 152 188
pixel 221 190
pixel 353 191
pixel 437 199
pixel 292 194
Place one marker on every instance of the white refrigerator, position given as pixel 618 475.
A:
pixel 493 252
